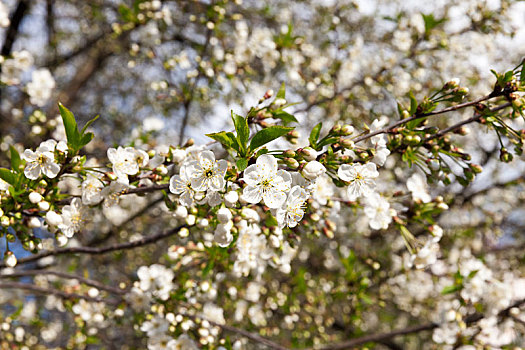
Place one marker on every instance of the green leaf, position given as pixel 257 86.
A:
pixel 70 124
pixel 522 74
pixel 413 103
pixel 8 176
pixel 82 132
pixel 269 134
pixel 243 132
pixel 86 138
pixel 328 141
pixel 314 135
pixel 287 118
pixel 242 163
pixel 16 161
pixel 451 289
pixel 414 123
pixel 282 92
pixel 271 221
pixel 227 139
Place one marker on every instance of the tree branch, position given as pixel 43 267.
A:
pixel 48 291
pixel 102 250
pixel 60 274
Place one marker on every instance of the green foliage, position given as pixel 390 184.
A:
pixel 75 139
pixel 243 132
pixel 314 135
pixel 267 135
pixel 16 162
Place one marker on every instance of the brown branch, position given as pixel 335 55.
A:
pixel 14 26
pixel 189 100
pixel 60 274
pixel 423 115
pixel 409 330
pixel 48 291
pixel 103 250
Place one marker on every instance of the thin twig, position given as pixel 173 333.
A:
pixel 103 250
pixel 60 274
pixel 48 291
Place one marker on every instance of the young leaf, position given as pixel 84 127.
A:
pixel 243 132
pixel 8 176
pixel 86 138
pixel 413 103
pixel 314 135
pixel 269 134
pixel 522 74
pixel 287 118
pixel 242 163
pixel 88 124
pixel 227 139
pixel 16 161
pixel 282 91
pixel 70 124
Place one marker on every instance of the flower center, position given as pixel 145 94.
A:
pixel 208 173
pixel 41 159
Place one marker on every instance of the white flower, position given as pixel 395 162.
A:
pixel 111 193
pixel 42 161
pixel 313 169
pixel 207 173
pixel 231 198
pixel 156 279
pixel 178 155
pixel 155 327
pixel 378 211
pixel 265 182
pixel 53 219
pixel 361 178
pixel 184 342
pixel 213 313
pixel 126 161
pixel 181 185
pixel 224 215
pixel 162 342
pixel 222 235
pixel 71 218
pixel 426 256
pixel 418 186
pixel 40 87
pixel 382 152
pixel 35 197
pixel 138 299
pixel 91 190
pixel 292 210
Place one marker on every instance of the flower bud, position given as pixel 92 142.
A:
pixel 347 143
pixel 291 162
pixel 224 215
pixel 268 94
pixel 4 221
pixel 44 206
pixel 433 164
pixel 347 130
pixel 10 259
pixel 34 222
pixel 279 102
pixel 308 153
pixel 181 212
pixel 452 84
pixel 35 197
pixel 289 153
pixel 231 198
pixel 184 232
pixel 312 170
pixel 476 168
pixel 53 219
pixel 336 129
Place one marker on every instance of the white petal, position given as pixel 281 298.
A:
pixel 252 194
pixel 267 164
pixel 274 199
